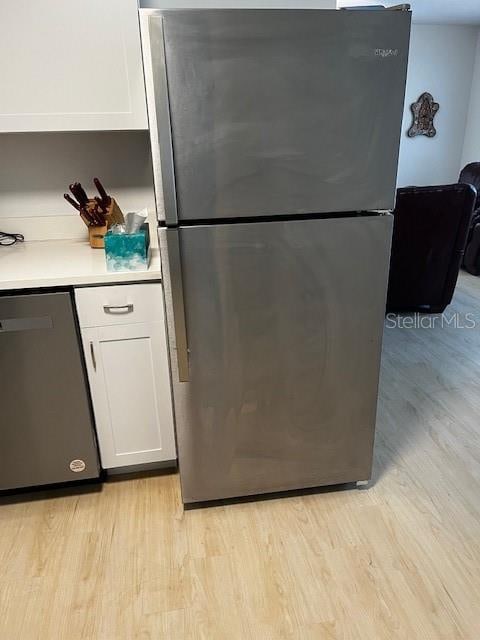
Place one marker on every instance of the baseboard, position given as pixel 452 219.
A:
pixel 141 468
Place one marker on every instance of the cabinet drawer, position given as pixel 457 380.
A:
pixel 120 304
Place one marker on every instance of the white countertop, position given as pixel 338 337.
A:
pixel 55 263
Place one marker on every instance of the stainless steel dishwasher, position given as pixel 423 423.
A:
pixel 46 427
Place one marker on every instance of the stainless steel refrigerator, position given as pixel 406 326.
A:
pixel 275 137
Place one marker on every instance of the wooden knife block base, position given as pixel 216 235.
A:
pixel 114 214
pixel 96 235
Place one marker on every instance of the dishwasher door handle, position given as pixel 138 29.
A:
pixel 25 324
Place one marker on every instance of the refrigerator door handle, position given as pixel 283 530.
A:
pixel 159 117
pixel 174 261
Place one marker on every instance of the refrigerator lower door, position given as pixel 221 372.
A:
pixel 284 324
pixel 46 430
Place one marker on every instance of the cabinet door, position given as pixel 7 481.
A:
pixel 130 386
pixel 67 65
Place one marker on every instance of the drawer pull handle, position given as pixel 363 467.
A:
pixel 118 309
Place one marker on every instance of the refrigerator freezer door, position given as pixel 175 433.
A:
pixel 278 111
pixel 284 325
pixel 46 430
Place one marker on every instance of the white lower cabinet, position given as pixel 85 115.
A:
pixel 128 372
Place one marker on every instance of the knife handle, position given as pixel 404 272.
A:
pixel 101 204
pixel 79 193
pixel 97 214
pixel 85 219
pixel 104 195
pixel 71 201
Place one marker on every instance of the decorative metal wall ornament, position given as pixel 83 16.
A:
pixel 423 111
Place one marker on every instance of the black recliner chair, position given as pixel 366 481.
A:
pixel 470 174
pixel 429 234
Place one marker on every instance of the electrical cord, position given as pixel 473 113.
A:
pixel 7 239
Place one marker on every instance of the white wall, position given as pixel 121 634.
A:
pixel 471 147
pixel 441 62
pixel 36 169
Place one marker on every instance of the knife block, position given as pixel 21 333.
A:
pixel 96 235
pixel 114 214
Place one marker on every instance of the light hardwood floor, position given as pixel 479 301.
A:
pixel 399 560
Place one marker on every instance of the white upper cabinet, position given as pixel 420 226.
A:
pixel 67 65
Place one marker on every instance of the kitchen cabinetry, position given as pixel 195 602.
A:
pixel 71 66
pixel 125 346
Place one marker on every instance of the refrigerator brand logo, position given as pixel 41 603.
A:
pixel 386 53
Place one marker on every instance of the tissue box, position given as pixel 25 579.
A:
pixel 128 252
